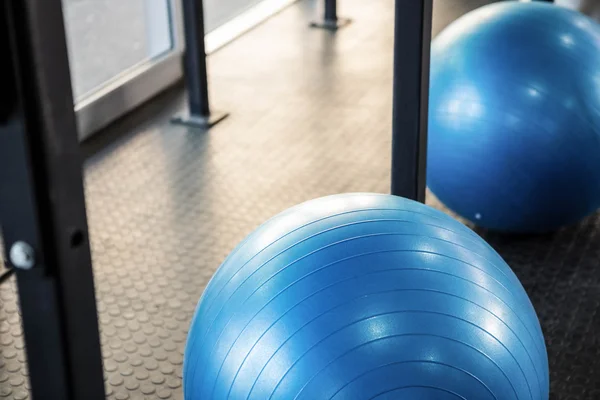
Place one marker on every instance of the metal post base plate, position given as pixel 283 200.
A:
pixel 331 25
pixel 202 122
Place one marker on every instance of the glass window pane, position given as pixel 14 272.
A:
pixel 107 37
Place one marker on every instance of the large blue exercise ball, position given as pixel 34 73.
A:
pixel 514 123
pixel 364 296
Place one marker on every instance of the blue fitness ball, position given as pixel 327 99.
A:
pixel 514 123
pixel 364 296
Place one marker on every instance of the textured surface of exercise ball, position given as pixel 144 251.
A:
pixel 514 124
pixel 364 296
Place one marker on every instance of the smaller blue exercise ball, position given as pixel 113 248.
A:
pixel 364 296
pixel 514 123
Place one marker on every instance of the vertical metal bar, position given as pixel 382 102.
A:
pixel 42 211
pixel 412 44
pixel 195 58
pixel 330 20
pixel 199 114
pixel 331 10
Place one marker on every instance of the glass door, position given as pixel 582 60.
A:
pixel 124 52
pixel 121 53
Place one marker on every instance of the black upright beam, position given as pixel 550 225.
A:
pixel 412 44
pixel 42 211
pixel 330 20
pixel 330 10
pixel 199 113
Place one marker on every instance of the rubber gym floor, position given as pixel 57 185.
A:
pixel 310 116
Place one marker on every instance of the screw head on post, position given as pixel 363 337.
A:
pixel 22 255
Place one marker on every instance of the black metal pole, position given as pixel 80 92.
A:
pixel 412 44
pixel 196 75
pixel 330 20
pixel 42 212
pixel 331 10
